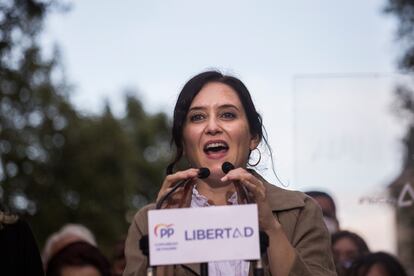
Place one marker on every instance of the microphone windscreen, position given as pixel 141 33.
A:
pixel 203 173
pixel 227 166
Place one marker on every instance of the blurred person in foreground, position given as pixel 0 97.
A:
pixel 328 206
pixel 69 233
pixel 19 253
pixel 346 247
pixel 78 258
pixel 215 121
pixel 377 264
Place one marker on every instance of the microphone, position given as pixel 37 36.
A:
pixel 227 166
pixel 202 173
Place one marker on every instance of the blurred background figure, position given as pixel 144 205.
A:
pixel 347 247
pixel 19 254
pixel 78 258
pixel 377 264
pixel 118 258
pixel 68 234
pixel 326 202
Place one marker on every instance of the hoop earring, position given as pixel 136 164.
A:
pixel 258 161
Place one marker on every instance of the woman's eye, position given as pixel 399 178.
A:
pixel 228 115
pixel 196 117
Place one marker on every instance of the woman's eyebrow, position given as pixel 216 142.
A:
pixel 223 106
pixel 228 106
pixel 196 108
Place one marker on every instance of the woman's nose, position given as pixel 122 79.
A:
pixel 213 126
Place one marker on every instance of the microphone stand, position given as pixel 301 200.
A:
pixel 144 241
pixel 264 244
pixel 204 269
pixel 144 246
pixel 263 237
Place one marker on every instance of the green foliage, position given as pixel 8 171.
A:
pixel 404 11
pixel 56 165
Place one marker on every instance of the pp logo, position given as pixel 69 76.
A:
pixel 163 230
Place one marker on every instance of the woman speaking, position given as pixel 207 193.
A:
pixel 215 121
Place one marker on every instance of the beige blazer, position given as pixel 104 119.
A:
pixel 299 216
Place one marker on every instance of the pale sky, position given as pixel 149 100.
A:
pixel 321 73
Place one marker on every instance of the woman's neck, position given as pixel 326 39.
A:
pixel 217 193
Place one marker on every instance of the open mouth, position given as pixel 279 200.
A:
pixel 216 147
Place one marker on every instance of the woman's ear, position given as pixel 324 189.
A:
pixel 254 142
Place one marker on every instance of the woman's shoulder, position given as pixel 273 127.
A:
pixel 141 216
pixel 143 211
pixel 146 208
pixel 282 199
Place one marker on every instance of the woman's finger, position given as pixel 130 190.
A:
pixel 181 175
pixel 172 179
pixel 252 183
pixel 256 188
pixel 243 176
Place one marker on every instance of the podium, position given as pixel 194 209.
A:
pixel 202 235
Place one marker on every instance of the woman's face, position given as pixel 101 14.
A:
pixel 216 129
pixel 377 270
pixel 345 251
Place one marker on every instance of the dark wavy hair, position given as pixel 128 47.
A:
pixel 315 194
pixel 355 238
pixel 190 91
pixel 390 264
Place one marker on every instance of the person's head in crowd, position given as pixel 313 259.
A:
pixel 347 246
pixel 78 259
pixel 69 233
pixel 327 204
pixel 118 261
pixel 377 264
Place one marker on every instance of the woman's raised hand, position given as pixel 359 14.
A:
pixel 172 179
